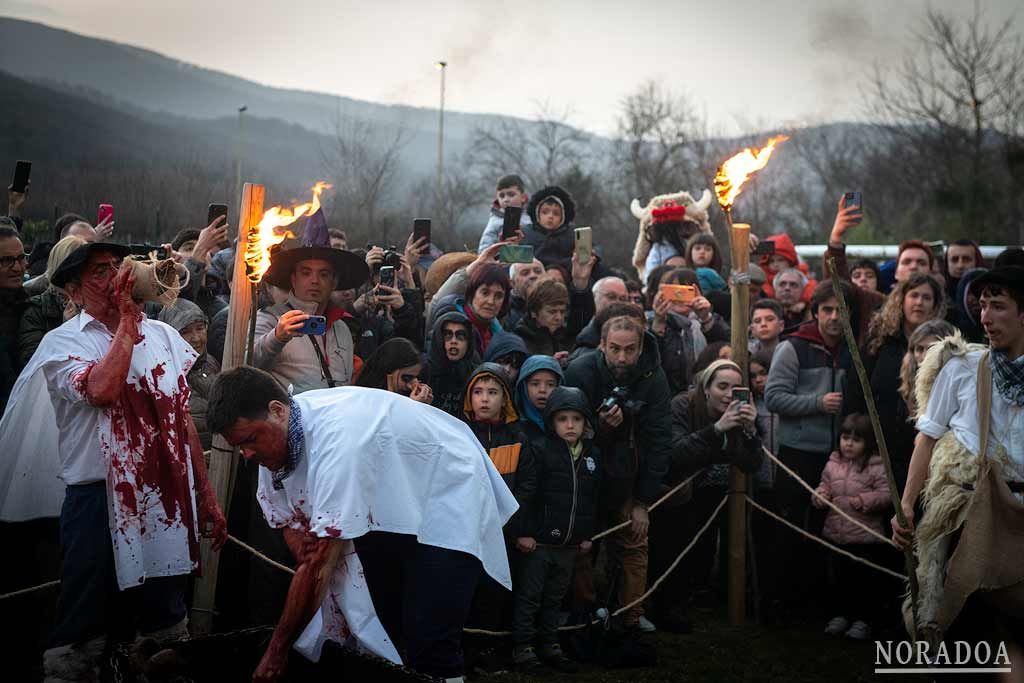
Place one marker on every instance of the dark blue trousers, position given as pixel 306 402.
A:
pixel 422 595
pixel 90 604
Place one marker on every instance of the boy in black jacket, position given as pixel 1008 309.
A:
pixel 491 414
pixel 558 523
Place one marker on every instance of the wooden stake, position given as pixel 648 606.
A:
pixel 223 460
pixel 876 425
pixel 739 243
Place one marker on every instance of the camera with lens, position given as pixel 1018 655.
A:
pixel 620 397
pixel 392 257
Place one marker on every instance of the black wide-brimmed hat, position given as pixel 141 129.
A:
pixel 350 271
pixel 1009 277
pixel 70 266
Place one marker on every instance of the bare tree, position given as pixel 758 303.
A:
pixel 953 110
pixel 363 162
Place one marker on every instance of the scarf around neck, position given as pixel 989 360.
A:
pixel 1009 377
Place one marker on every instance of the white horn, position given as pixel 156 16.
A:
pixel 704 202
pixel 637 210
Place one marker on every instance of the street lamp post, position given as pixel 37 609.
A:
pixel 442 67
pixel 238 161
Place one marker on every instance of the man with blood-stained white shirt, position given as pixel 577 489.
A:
pixel 137 493
pixel 390 506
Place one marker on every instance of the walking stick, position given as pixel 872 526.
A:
pixel 851 341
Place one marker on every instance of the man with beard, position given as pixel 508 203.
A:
pixel 627 389
pixel 805 388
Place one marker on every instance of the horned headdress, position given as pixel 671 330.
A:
pixel 677 207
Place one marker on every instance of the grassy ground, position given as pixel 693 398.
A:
pixel 717 652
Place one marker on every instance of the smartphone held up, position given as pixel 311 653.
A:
pixel 22 171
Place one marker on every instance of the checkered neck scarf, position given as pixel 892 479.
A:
pixel 296 440
pixel 1009 377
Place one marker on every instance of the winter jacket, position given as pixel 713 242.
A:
pixel 506 445
pixel 563 509
pixel 693 450
pixel 803 370
pixel 531 419
pixel 44 312
pixel 636 454
pixel 12 303
pixel 180 315
pixel 679 347
pixel 369 330
pixel 448 379
pixel 843 481
pixel 539 341
pixel 207 291
pixel 587 340
pixel 492 231
pixel 883 371
pixel 784 247
pixel 295 362
pixel 516 312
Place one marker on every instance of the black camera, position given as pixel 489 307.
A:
pixel 620 397
pixel 147 249
pixel 392 257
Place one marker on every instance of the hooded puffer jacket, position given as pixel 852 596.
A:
pixel 447 379
pixel 784 247
pixel 551 247
pixel 844 481
pixel 540 341
pixel 564 509
pixel 531 417
pixel 503 344
pixel 506 445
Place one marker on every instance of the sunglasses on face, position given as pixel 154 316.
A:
pixel 455 334
pixel 8 262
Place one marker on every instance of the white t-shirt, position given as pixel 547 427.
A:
pixel 953 406
pixel 377 461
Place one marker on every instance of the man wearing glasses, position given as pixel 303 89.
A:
pixel 13 300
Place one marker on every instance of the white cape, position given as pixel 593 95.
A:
pixel 30 486
pixel 378 461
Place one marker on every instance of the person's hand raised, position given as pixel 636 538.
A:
pixel 846 218
pixel 214 234
pixel 289 325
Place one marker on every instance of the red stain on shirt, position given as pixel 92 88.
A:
pixel 332 532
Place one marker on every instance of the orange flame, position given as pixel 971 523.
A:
pixel 737 170
pixel 270 231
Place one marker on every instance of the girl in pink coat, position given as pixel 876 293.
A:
pixel 854 481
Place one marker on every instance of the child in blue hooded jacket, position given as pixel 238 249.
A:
pixel 538 377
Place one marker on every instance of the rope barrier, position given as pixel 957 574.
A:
pixel 825 543
pixel 26 591
pixel 647 594
pixel 674 490
pixel 260 555
pixel 814 492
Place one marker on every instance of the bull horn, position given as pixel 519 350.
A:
pixel 636 209
pixel 704 202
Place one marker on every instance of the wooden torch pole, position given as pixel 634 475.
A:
pixel 223 460
pixel 739 243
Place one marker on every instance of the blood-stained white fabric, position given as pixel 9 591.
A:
pixel 377 461
pixel 139 445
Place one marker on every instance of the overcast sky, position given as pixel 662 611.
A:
pixel 747 62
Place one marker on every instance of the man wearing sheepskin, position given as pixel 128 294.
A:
pixel 970 536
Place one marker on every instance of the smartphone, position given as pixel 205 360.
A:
pixel 584 245
pixel 741 394
pixel 681 293
pixel 420 229
pixel 513 214
pixel 22 170
pixel 387 276
pixel 315 325
pixel 853 200
pixel 516 253
pixel 764 248
pixel 214 211
pixel 105 211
